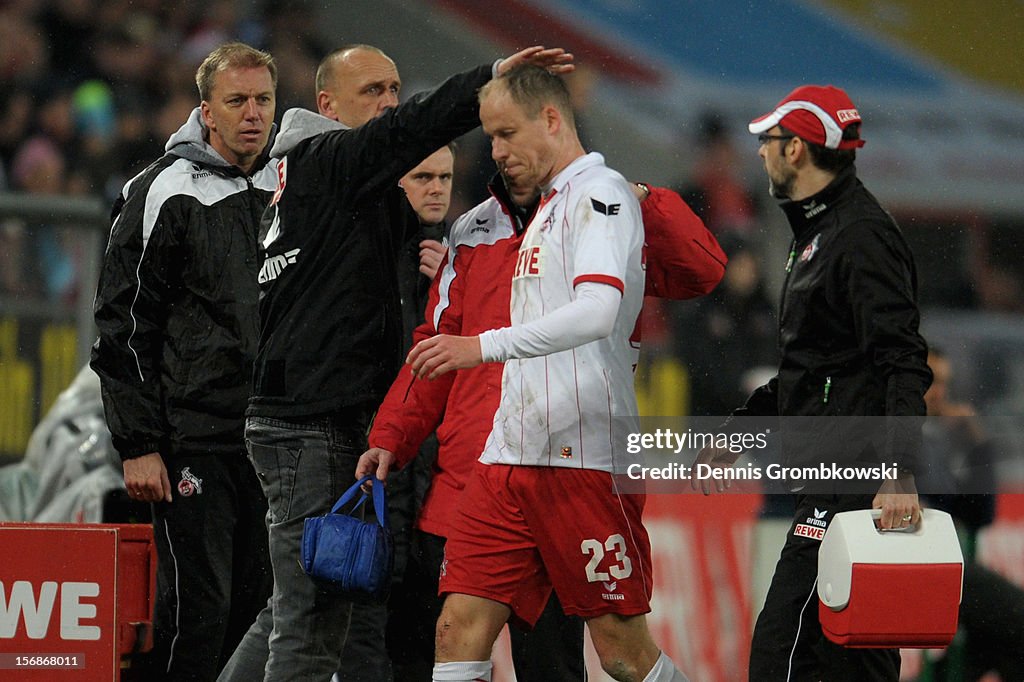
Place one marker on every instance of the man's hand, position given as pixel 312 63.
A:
pixel 554 59
pixel 899 504
pixel 640 191
pixel 431 254
pixel 146 478
pixel 716 458
pixel 376 461
pixel 443 353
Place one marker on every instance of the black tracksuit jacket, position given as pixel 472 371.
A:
pixel 848 329
pixel 331 325
pixel 176 305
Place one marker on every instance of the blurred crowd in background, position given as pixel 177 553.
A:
pixel 90 91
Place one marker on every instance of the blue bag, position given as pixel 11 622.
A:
pixel 344 554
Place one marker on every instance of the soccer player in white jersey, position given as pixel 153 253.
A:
pixel 542 511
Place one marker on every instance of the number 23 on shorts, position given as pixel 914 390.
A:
pixel 622 566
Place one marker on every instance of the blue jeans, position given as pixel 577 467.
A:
pixel 303 468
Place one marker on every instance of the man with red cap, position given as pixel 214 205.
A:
pixel 850 347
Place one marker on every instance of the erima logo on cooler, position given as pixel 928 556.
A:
pixel 275 265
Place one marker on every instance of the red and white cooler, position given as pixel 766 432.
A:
pixel 889 588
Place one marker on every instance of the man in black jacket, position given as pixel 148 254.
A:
pixel 177 315
pixel 331 331
pixel 850 347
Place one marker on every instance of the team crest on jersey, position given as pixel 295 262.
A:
pixel 810 249
pixel 530 262
pixel 566 452
pixel 189 484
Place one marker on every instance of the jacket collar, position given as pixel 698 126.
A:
pixel 521 215
pixel 301 124
pixel 579 164
pixel 190 142
pixel 806 215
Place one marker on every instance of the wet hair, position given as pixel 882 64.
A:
pixel 233 55
pixel 831 160
pixel 325 70
pixel 533 88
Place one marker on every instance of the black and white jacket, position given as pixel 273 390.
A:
pixel 177 303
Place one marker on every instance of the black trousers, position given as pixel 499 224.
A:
pixel 551 652
pixel 788 643
pixel 213 565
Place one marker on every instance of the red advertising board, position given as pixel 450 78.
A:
pixel 58 612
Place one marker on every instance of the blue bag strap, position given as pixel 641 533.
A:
pixel 378 503
pixel 378 498
pixel 347 496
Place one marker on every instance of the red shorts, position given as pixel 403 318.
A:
pixel 521 530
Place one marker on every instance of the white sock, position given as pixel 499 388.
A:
pixel 462 671
pixel 665 670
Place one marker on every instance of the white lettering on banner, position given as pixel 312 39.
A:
pixel 38 614
pixel 73 611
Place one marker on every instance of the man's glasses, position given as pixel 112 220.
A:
pixel 765 138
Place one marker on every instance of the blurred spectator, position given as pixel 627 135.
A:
pixel 1000 290
pixel 960 477
pixel 39 168
pixel 68 26
pixel 716 191
pixel 581 84
pixel 16 106
pixel 727 334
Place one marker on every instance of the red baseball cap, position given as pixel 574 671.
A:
pixel 817 113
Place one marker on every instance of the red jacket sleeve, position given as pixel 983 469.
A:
pixel 684 259
pixel 413 408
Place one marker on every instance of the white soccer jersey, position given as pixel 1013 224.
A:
pixel 559 409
